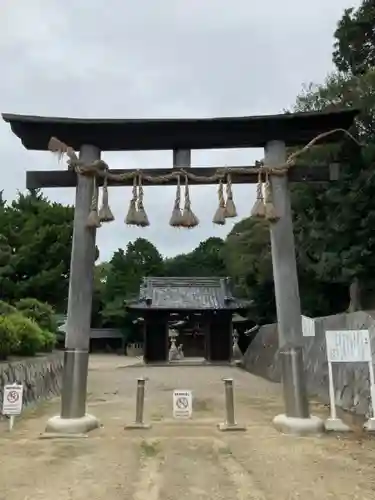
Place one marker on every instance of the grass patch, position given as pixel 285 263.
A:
pixel 224 450
pixel 149 448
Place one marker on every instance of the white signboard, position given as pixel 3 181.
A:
pixel 348 346
pixel 182 404
pixel 12 399
pixel 308 326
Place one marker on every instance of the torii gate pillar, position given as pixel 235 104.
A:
pixel 73 417
pixel 297 419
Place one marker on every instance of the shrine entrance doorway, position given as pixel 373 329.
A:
pixel 196 312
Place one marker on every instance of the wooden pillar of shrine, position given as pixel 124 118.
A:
pixel 156 337
pixel 220 336
pixel 207 336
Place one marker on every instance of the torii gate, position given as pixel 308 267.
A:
pixel 90 137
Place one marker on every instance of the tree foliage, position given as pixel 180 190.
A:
pixel 35 245
pixel 333 224
pixel 247 254
pixel 354 50
pixel 40 312
pixel 125 272
pixel 205 260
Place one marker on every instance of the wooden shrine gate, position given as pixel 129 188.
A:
pixel 87 173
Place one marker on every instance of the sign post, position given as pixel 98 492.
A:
pixel 12 402
pixel 308 326
pixel 182 404
pixel 348 346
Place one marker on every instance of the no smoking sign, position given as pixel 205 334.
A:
pixel 182 404
pixel 12 399
pixel 12 396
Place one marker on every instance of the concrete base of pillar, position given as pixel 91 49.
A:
pixel 58 425
pixel 224 427
pixel 369 426
pixel 299 426
pixel 336 425
pixel 136 425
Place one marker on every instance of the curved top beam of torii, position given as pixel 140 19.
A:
pixel 170 134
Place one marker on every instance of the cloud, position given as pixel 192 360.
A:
pixel 170 58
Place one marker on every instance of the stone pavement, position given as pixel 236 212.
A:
pixel 175 460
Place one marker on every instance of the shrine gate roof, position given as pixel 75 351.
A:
pixel 193 294
pixel 167 134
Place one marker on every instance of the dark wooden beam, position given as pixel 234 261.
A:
pixel 181 133
pixel 67 178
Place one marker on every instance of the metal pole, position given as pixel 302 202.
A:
pixel 296 404
pixel 229 401
pixel 230 423
pixel 139 407
pixel 286 284
pixel 140 401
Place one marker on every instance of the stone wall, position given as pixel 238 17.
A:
pixel 351 380
pixel 41 376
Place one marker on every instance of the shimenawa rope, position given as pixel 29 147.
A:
pixel 136 214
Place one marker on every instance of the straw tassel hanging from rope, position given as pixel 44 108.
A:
pixel 60 148
pixel 176 217
pixel 270 211
pixel 105 212
pixel 230 207
pixel 142 219
pixel 219 217
pixel 188 219
pixel 259 209
pixel 131 217
pixel 93 218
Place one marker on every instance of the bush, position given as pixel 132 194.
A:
pixel 29 335
pixel 41 312
pixel 9 341
pixel 6 308
pixel 49 341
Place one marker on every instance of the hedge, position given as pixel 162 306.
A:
pixel 26 331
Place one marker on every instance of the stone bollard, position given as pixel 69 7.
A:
pixel 139 407
pixel 230 421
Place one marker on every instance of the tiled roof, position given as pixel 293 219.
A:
pixel 186 293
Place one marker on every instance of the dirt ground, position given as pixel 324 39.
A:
pixel 181 460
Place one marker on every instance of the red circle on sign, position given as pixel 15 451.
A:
pixel 12 396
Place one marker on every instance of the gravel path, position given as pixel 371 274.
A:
pixel 177 461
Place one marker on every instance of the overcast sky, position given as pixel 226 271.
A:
pixel 157 59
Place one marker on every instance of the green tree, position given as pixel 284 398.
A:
pixel 42 313
pixel 101 271
pixel 333 223
pixel 354 49
pixel 126 270
pixel 35 246
pixel 29 334
pixel 205 260
pixel 247 255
